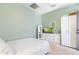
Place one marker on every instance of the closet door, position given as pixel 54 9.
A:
pixel 72 28
pixel 65 32
pixel 77 30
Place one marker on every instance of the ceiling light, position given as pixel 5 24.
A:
pixel 53 5
pixel 34 6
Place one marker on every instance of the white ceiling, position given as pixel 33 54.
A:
pixel 46 7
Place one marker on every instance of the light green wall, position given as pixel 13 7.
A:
pixel 17 21
pixel 55 16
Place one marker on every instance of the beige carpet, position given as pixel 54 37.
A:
pixel 57 49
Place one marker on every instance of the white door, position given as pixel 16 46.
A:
pixel 73 27
pixel 65 34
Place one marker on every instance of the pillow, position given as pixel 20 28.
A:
pixel 4 48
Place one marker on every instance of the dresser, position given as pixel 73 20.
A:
pixel 51 37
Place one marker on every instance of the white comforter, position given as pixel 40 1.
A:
pixel 30 46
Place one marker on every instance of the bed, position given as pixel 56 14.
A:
pixel 30 46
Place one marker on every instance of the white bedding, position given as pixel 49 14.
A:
pixel 30 46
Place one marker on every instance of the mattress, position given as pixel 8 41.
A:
pixel 30 46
